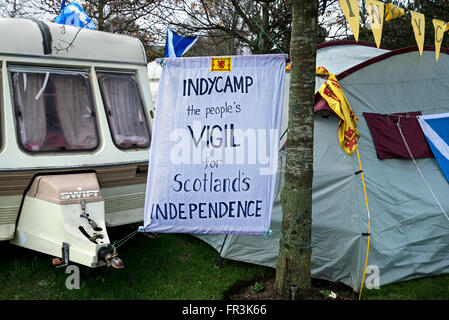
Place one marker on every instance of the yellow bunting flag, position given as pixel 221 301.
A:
pixel 350 9
pixel 440 27
pixel 419 25
pixel 376 18
pixel 331 91
pixel 447 27
pixel 393 12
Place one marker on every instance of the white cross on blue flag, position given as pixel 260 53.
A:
pixel 74 15
pixel 436 130
pixel 176 45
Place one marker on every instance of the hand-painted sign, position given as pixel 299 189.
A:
pixel 213 159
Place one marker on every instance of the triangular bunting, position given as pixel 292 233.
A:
pixel 439 26
pixel 376 18
pixel 350 9
pixel 419 25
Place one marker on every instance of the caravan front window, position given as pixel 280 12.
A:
pixel 124 109
pixel 54 109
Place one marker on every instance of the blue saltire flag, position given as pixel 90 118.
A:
pixel 176 45
pixel 74 15
pixel 436 130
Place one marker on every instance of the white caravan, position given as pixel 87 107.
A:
pixel 75 124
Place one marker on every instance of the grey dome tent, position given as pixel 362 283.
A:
pixel 409 233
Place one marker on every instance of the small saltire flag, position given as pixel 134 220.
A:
pixel 176 45
pixel 419 25
pixel 376 18
pixel 331 91
pixel 350 9
pixel 436 130
pixel 393 12
pixel 74 15
pixel 439 26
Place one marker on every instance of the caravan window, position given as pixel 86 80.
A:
pixel 54 109
pixel 124 109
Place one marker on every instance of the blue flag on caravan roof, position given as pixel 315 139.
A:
pixel 436 130
pixel 176 45
pixel 74 15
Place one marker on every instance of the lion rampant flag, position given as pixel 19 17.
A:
pixel 331 91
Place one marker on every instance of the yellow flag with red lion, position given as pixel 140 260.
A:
pixel 331 91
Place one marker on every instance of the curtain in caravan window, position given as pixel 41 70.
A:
pixel 78 121
pixel 30 112
pixel 54 110
pixel 125 111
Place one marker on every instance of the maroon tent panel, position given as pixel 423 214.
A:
pixel 387 138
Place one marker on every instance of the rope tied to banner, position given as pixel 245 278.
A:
pixel 268 234
pixel 122 241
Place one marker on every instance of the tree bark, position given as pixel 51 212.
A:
pixel 101 5
pixel 293 266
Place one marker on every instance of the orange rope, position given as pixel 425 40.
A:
pixel 369 224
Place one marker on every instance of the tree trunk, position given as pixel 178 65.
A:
pixel 101 23
pixel 293 266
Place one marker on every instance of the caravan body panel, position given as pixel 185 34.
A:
pixel 30 51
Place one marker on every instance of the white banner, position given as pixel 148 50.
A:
pixel 214 152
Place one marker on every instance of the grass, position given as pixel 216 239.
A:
pixel 429 288
pixel 171 267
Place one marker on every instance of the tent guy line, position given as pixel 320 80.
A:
pixel 419 170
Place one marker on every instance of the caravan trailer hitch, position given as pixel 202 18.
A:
pixel 109 255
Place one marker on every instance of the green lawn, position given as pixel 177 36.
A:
pixel 429 288
pixel 173 266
